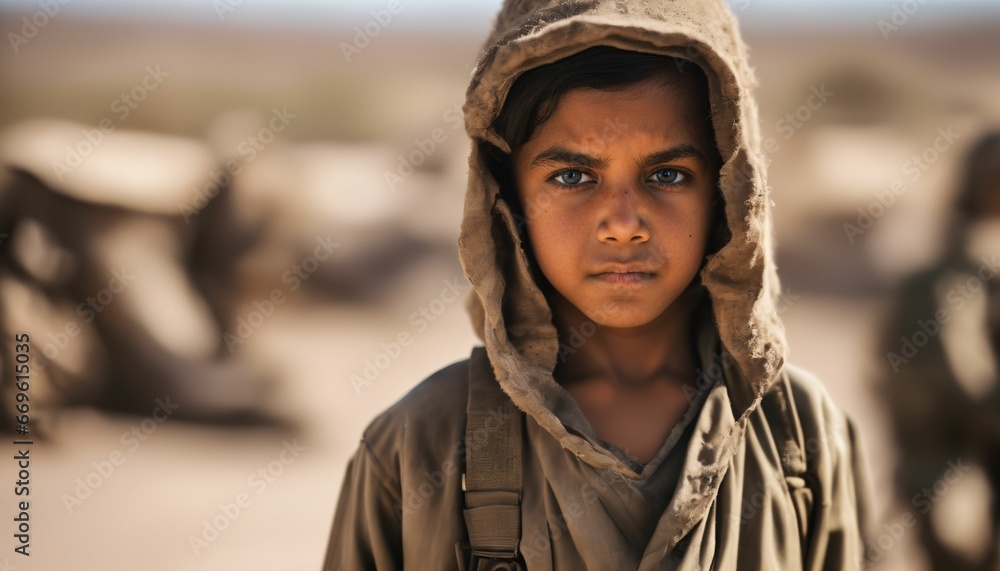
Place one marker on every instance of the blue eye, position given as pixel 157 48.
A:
pixel 571 178
pixel 668 176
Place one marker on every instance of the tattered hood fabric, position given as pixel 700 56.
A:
pixel 767 473
pixel 512 316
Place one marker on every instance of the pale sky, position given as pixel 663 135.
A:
pixel 449 13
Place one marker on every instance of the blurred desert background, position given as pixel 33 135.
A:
pixel 217 217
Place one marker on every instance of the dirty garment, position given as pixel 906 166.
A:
pixel 767 473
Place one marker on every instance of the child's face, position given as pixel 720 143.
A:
pixel 617 188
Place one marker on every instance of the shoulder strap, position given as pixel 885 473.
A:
pixel 784 424
pixel 491 480
pixel 783 421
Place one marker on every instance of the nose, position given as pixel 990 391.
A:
pixel 622 221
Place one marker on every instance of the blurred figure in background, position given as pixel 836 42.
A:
pixel 942 349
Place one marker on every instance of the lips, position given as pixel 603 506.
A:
pixel 625 268
pixel 624 278
pixel 625 273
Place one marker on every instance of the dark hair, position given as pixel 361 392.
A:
pixel 535 95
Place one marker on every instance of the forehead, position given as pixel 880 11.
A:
pixel 653 111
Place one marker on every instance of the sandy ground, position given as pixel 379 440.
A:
pixel 144 512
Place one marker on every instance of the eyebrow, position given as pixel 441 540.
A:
pixel 561 156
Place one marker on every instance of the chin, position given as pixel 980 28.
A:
pixel 623 315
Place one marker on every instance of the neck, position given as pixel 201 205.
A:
pixel 662 350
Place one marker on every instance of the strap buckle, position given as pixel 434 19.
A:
pixel 495 562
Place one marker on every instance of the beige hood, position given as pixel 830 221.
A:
pixel 509 311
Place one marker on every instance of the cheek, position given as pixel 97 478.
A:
pixel 702 228
pixel 684 232
pixel 558 242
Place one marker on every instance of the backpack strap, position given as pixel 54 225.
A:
pixel 784 424
pixel 783 421
pixel 491 480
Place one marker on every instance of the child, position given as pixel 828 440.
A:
pixel 631 408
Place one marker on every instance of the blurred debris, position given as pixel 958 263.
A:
pixel 98 270
pixel 137 260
